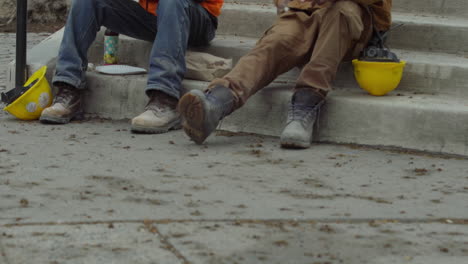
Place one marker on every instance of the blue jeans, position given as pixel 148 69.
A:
pixel 179 23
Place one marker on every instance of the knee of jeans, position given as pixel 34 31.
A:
pixel 172 6
pixel 80 3
pixel 84 4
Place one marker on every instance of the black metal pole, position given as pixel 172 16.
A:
pixel 21 21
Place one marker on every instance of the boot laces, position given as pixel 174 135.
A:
pixel 303 113
pixel 158 106
pixel 155 106
pixel 65 95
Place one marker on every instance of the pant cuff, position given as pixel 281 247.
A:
pixel 321 92
pixel 167 91
pixel 76 84
pixel 226 83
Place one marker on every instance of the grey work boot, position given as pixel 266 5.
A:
pixel 65 107
pixel 160 115
pixel 202 111
pixel 302 114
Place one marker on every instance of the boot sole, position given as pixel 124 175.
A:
pixel 289 143
pixel 54 120
pixel 152 130
pixel 193 113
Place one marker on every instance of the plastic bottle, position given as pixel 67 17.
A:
pixel 111 47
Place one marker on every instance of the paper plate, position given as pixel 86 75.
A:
pixel 119 69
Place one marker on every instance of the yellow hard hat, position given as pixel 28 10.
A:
pixel 29 105
pixel 378 78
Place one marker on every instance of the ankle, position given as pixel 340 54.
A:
pixel 308 97
pixel 312 92
pixel 224 96
pixel 162 98
pixel 64 86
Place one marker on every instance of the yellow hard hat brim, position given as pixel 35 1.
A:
pixel 29 105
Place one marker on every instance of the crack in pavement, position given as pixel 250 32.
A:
pixel 451 221
pixel 169 246
pixel 150 227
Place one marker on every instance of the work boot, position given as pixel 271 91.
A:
pixel 202 111
pixel 65 107
pixel 302 114
pixel 160 115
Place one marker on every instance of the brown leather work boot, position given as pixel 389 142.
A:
pixel 65 107
pixel 303 110
pixel 160 115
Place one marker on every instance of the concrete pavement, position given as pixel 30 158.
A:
pixel 91 192
pixel 7 50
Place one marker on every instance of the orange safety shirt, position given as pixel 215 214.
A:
pixel 212 6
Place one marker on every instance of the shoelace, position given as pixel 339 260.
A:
pixel 303 113
pixel 65 95
pixel 156 106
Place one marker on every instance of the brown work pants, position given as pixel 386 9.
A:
pixel 319 41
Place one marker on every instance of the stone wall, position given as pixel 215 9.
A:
pixel 39 11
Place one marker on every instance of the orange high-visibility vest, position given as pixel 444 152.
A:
pixel 213 6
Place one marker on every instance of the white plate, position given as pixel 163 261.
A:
pixel 119 69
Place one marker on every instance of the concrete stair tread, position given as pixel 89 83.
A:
pixel 398 16
pixel 428 19
pixel 425 71
pixel 430 32
pixel 245 44
pixel 429 72
pixel 408 100
pixel 412 56
pixel 441 7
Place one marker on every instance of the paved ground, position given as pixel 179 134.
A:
pixel 91 192
pixel 7 50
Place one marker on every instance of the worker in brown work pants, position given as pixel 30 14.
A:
pixel 317 35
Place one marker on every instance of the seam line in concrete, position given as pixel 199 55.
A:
pixel 169 246
pixel 453 221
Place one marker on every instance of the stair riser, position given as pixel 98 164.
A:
pixel 349 121
pixel 418 78
pixel 414 36
pixel 120 97
pixel 344 119
pixel 432 38
pixel 435 7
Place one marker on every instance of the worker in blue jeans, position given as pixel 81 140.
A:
pixel 178 23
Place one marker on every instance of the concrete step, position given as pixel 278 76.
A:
pixel 424 73
pixel 420 32
pixel 436 7
pixel 436 123
pixel 422 122
pixel 430 7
